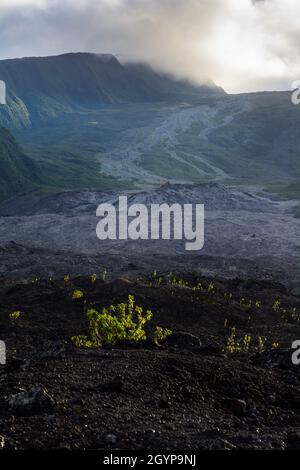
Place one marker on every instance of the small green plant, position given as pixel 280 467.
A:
pixel 67 279
pixel 261 347
pixel 179 282
pixel 211 287
pixel 77 294
pixel 198 287
pixel 81 341
pixel 276 305
pixel 247 342
pixel 157 280
pixel 14 316
pixel 232 344
pixel 161 334
pixel 290 315
pixel 93 278
pixel 122 322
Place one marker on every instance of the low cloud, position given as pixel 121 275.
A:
pixel 242 45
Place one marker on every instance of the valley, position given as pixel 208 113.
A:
pixel 215 139
pixel 110 134
pixel 80 130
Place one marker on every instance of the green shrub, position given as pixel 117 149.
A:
pixel 122 322
pixel 14 316
pixel 77 294
pixel 161 334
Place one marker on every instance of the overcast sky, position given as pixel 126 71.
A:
pixel 243 45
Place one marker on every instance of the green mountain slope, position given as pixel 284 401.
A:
pixel 18 172
pixel 88 121
pixel 41 88
pixel 248 139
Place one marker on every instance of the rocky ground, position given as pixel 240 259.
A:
pixel 192 392
pixel 246 235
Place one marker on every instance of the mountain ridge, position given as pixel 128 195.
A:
pixel 42 88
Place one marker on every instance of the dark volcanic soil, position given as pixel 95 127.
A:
pixel 177 396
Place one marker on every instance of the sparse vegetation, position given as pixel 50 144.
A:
pixel 276 305
pixel 246 343
pixel 117 323
pixel 93 278
pixel 161 334
pixel 14 316
pixel 77 294
pixel 140 367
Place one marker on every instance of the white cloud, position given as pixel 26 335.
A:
pixel 17 3
pixel 240 44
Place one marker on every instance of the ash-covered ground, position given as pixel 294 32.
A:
pixel 246 235
pixel 190 392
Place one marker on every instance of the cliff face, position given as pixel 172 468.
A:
pixel 40 88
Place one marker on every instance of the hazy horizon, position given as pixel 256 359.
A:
pixel 241 45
